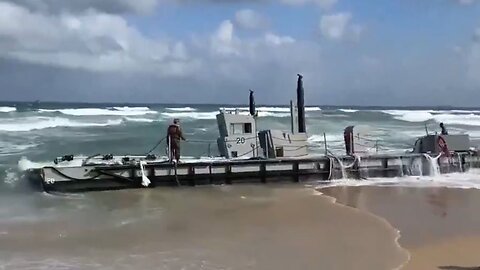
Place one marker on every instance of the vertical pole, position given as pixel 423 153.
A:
pixel 376 146
pixel 255 153
pixel 169 148
pixel 266 145
pixel 293 116
pixel 301 105
pixel 209 153
pixel 325 143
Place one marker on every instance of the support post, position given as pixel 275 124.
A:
pixel 325 143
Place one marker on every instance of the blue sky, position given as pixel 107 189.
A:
pixel 210 51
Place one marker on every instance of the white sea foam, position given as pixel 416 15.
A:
pixel 140 120
pixel 458 119
pixel 213 115
pixel 7 109
pixel 182 109
pixel 271 109
pixel 132 109
pixel 348 110
pixel 120 111
pixel 36 123
pixel 453 117
pixel 470 179
pixel 191 115
pixel 410 116
pixel 273 114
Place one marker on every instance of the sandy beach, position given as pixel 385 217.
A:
pixel 237 227
pixel 440 227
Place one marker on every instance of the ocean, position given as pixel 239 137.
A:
pixel 196 228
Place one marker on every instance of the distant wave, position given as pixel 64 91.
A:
pixel 413 116
pixel 213 115
pixel 348 110
pixel 458 119
pixel 192 115
pixel 140 120
pixel 7 109
pixel 37 123
pixel 119 111
pixel 182 109
pixel 453 117
pixel 271 109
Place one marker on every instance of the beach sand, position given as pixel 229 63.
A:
pixel 439 226
pixel 230 227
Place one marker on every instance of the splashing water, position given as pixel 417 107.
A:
pixel 434 166
pixel 417 167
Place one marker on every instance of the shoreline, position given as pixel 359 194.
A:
pixel 429 236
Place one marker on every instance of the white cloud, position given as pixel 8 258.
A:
pixel 250 19
pixel 92 41
pixel 338 26
pixel 223 41
pixel 275 40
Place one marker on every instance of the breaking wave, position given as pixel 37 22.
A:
pixel 192 115
pixel 119 111
pixel 413 116
pixel 213 115
pixel 140 120
pixel 182 109
pixel 458 119
pixel 348 110
pixel 37 123
pixel 7 109
pixel 454 180
pixel 455 117
pixel 271 109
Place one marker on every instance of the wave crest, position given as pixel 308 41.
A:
pixel 7 109
pixel 118 111
pixel 37 123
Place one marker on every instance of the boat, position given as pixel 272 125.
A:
pixel 250 155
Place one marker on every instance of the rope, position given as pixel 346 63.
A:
pixel 156 145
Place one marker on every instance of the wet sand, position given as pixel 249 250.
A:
pixel 237 227
pixel 439 226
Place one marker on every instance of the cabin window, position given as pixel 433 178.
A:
pixel 236 128
pixel 279 151
pixel 247 127
pixel 234 154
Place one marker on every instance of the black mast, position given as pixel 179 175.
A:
pixel 252 104
pixel 301 105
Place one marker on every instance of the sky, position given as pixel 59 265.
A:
pixel 350 52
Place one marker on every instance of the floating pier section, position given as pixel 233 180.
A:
pixel 314 169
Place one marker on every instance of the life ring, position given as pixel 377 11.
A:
pixel 442 144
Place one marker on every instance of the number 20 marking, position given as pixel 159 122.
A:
pixel 241 140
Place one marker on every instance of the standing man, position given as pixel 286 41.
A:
pixel 174 135
pixel 444 130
